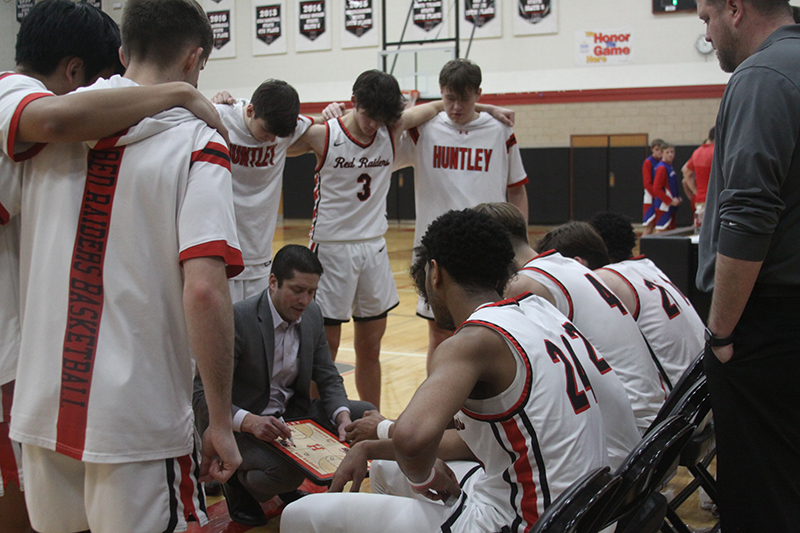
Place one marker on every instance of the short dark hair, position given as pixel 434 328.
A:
pixel 509 216
pixel 378 95
pixel 277 102
pixel 765 7
pixel 712 133
pixel 58 29
pixel 461 76
pixel 474 249
pixel 160 30
pixel 576 239
pixel 294 258
pixel 617 233
pixel 657 143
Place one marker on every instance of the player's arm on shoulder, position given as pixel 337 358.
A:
pixel 209 323
pixel 521 283
pixel 503 114
pixel 419 114
pixel 518 195
pixel 297 148
pixel 314 138
pixel 95 114
pixel 618 287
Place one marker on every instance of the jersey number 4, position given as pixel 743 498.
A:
pixel 365 191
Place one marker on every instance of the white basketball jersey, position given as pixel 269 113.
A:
pixel 257 170
pixel 595 310
pixel 457 166
pixel 9 294
pixel 666 317
pixel 618 420
pixel 352 182
pixel 538 436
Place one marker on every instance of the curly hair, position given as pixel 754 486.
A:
pixel 617 232
pixel 378 95
pixel 475 251
pixel 576 239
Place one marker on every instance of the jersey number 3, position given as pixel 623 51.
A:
pixel 365 191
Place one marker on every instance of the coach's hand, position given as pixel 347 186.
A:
pixel 221 455
pixel 352 468
pixel 366 428
pixel 266 428
pixel 343 420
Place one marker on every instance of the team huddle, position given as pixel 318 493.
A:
pixel 152 343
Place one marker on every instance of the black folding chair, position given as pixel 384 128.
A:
pixel 645 469
pixel 577 509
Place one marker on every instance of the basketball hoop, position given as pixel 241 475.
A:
pixel 411 96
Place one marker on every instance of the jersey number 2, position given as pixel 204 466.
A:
pixel 365 191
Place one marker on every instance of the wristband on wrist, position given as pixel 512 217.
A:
pixel 424 485
pixel 383 429
pixel 714 341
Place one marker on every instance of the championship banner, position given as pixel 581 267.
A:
pixel 23 7
pixel 604 47
pixel 313 25
pixel 535 17
pixel 360 17
pixel 269 27
pixel 221 14
pixel 429 20
pixel 482 17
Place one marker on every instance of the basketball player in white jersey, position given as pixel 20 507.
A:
pixel 461 158
pixel 502 378
pixel 262 132
pixel 355 154
pixel 60 46
pixel 666 317
pixel 592 307
pixel 102 408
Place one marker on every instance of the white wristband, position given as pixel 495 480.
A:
pixel 423 485
pixel 383 429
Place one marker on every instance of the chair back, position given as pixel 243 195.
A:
pixel 687 380
pixel 647 465
pixel 577 509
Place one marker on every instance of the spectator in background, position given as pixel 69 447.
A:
pixel 666 197
pixel 695 176
pixel 648 177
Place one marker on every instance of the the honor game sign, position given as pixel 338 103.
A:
pixel 604 47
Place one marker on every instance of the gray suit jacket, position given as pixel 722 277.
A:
pixel 253 354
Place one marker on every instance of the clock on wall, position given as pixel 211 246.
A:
pixel 671 6
pixel 703 46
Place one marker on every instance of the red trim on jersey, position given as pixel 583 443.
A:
pixel 213 153
pixel 12 130
pixel 4 215
pixel 4 75
pixel 234 264
pixel 324 155
pixel 111 141
pixel 635 314
pixel 85 306
pixel 519 183
pixel 317 181
pixel 637 258
pixel 187 488
pixel 8 461
pixel 546 253
pixel 356 141
pixel 414 134
pixel 554 280
pixel 524 471
pixel 526 389
pixel 511 142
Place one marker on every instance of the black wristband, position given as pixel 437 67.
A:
pixel 715 342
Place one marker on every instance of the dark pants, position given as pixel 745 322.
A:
pixel 756 402
pixel 264 472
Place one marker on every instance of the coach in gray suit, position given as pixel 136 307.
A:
pixel 280 348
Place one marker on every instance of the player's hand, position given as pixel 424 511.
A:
pixel 336 109
pixel 365 428
pixel 352 468
pixel 199 105
pixel 444 486
pixel 723 353
pixel 266 428
pixel 504 115
pixel 223 97
pixel 677 201
pixel 221 455
pixel 342 421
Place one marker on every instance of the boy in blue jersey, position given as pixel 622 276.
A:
pixel 666 197
pixel 648 177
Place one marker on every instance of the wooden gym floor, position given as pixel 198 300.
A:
pixel 403 354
